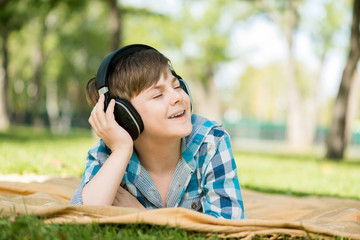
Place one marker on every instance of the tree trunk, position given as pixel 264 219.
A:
pixel 314 105
pixel 4 82
pixel 60 119
pixel 115 25
pixel 353 106
pixel 52 106
pixel 35 101
pixel 207 102
pixel 337 138
pixel 206 98
pixel 296 134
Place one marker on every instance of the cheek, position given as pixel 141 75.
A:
pixel 149 113
pixel 188 105
pixel 142 110
pixel 186 99
pixel 140 106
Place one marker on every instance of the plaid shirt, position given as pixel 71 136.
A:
pixel 205 178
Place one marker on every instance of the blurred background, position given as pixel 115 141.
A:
pixel 280 75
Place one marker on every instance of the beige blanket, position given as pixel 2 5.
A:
pixel 268 215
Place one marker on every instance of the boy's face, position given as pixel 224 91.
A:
pixel 164 109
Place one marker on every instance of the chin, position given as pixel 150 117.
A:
pixel 187 131
pixel 180 132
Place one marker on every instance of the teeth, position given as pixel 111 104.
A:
pixel 178 114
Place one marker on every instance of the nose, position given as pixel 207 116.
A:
pixel 176 96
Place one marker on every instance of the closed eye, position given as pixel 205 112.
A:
pixel 157 96
pixel 176 83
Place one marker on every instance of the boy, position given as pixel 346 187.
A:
pixel 153 152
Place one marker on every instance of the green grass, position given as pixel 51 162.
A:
pixel 30 150
pixel 299 175
pixel 30 227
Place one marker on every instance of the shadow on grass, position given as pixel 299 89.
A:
pixel 299 157
pixel 292 193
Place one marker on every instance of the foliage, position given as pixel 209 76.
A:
pixel 69 58
pixel 255 88
pixel 56 46
pixel 206 50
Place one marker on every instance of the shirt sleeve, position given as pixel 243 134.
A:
pixel 95 159
pixel 221 185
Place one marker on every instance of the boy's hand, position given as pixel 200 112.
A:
pixel 106 128
pixel 124 199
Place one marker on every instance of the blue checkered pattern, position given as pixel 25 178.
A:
pixel 205 178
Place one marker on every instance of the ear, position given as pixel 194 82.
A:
pixel 128 118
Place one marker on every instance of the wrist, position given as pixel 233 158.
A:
pixel 123 150
pixel 116 147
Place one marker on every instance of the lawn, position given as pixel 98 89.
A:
pixel 29 227
pixel 25 150
pixel 299 175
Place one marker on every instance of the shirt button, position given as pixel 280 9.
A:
pixel 193 205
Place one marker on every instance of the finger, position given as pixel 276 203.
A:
pixel 92 124
pixel 95 117
pixel 101 102
pixel 99 114
pixel 110 110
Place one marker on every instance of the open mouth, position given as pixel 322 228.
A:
pixel 177 115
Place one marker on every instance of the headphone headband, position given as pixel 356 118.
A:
pixel 125 114
pixel 108 64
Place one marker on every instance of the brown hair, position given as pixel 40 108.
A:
pixel 131 75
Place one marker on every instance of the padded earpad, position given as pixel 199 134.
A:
pixel 185 87
pixel 125 114
pixel 128 118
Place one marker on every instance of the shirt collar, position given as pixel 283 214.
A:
pixel 190 145
pixel 201 128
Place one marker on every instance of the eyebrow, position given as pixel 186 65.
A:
pixel 156 86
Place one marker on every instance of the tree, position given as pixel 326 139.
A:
pixel 285 15
pixel 115 23
pixel 13 15
pixel 340 129
pixel 208 34
pixel 70 62
pixel 296 129
pixel 323 30
pixel 303 106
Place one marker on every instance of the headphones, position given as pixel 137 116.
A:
pixel 125 113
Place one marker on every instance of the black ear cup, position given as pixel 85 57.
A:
pixel 185 87
pixel 183 84
pixel 128 118
pixel 106 101
pixel 125 114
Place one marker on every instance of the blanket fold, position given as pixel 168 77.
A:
pixel 268 215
